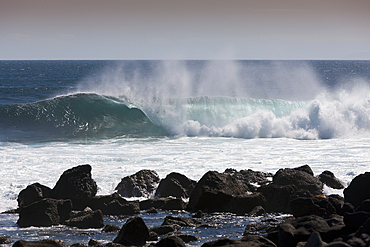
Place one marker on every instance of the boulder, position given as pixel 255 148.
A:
pixel 46 212
pixel 170 241
pixel 299 177
pixel 250 177
pixel 364 206
pixel 328 178
pixel 114 205
pixel 258 241
pixel 244 204
pixel 33 193
pixel 303 206
pixel 187 238
pixel 86 219
pixel 181 221
pixel 356 220
pixel 110 228
pixel 277 197
pixel 76 184
pixel 133 233
pixel 358 190
pixel 40 243
pixel 141 184
pixel 227 242
pixel 163 203
pixel 176 185
pixel 94 243
pixel 165 229
pixel 214 191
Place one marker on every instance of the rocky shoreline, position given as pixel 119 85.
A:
pixel 315 219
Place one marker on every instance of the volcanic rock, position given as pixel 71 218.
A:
pixel 33 193
pixel 133 233
pixel 358 190
pixel 76 184
pixel 176 185
pixel 170 241
pixel 277 197
pixel 141 184
pixel 114 205
pixel 86 219
pixel 163 203
pixel 249 177
pixel 328 178
pixel 46 212
pixel 40 243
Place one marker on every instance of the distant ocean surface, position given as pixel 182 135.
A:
pixel 184 116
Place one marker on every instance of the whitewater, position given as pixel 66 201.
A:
pixel 184 116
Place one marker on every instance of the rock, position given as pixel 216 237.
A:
pixel 141 184
pixel 257 211
pixel 165 229
pixel 171 241
pixel 40 243
pixel 244 204
pixel 227 242
pixel 46 212
pixel 111 228
pixel 299 177
pixel 87 219
pixel 356 220
pixel 181 221
pixel 187 238
pixel 5 240
pixel 254 228
pixel 153 236
pixel 133 233
pixel 277 197
pixel 199 214
pixel 176 185
pixel 314 241
pixel 151 210
pixel 253 240
pixel 250 177
pixel 76 184
pixel 328 178
pixel 78 245
pixel 303 206
pixel 163 203
pixel 214 191
pixel 33 193
pixel 114 205
pixel 95 243
pixel 337 201
pixel 358 190
pixel 364 206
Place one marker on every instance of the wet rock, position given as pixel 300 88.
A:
pixel 111 228
pixel 163 203
pixel 165 229
pixel 254 228
pixel 313 241
pixel 151 210
pixel 170 241
pixel 328 178
pixel 358 190
pixel 76 184
pixel 78 245
pixel 257 211
pixel 187 238
pixel 198 215
pixel 114 205
pixel 141 184
pixel 364 206
pixel 277 197
pixel 253 240
pixel 214 191
pixel 176 185
pixel 133 233
pixel 86 219
pixel 181 221
pixel 40 243
pixel 356 220
pixel 33 193
pixel 95 243
pixel 299 177
pixel 303 206
pixel 250 177
pixel 46 212
pixel 244 204
pixel 5 240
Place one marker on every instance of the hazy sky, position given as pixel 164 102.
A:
pixel 184 29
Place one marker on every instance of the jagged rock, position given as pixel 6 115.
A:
pixel 5 240
pixel 257 211
pixel 114 205
pixel 95 243
pixel 328 178
pixel 40 243
pixel 299 177
pixel 86 219
pixel 277 197
pixel 163 203
pixel 76 184
pixel 181 221
pixel 46 212
pixel 133 233
pixel 171 241
pixel 33 193
pixel 214 191
pixel 111 228
pixel 250 177
pixel 141 184
pixel 176 185
pixel 358 190
pixel 303 206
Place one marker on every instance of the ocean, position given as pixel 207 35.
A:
pixel 184 116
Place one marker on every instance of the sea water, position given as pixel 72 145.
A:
pixel 184 116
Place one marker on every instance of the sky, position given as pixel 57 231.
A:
pixel 184 29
